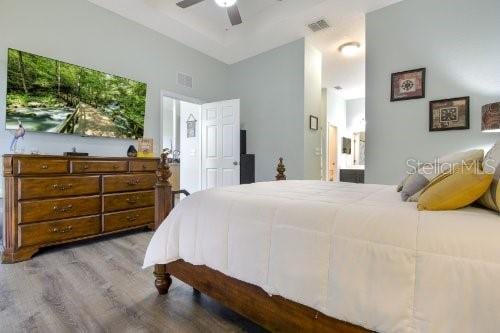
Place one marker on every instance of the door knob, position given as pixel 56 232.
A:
pixel 235 163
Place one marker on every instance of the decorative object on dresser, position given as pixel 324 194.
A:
pixel 131 151
pixel 408 85
pixel 73 152
pixel 449 114
pixel 490 117
pixel 56 199
pixel 352 175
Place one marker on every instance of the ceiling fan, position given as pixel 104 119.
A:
pixel 232 10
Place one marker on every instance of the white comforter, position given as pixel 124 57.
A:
pixel 353 252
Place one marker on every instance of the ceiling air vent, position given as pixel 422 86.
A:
pixel 319 25
pixel 184 80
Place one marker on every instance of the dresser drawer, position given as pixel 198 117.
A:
pixel 33 188
pixel 98 166
pixel 116 202
pixel 55 209
pixel 41 166
pixel 126 183
pixel 138 166
pixel 130 218
pixel 58 231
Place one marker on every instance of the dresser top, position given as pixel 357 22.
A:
pixel 33 156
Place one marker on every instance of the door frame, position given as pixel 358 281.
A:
pixel 170 94
pixel 327 169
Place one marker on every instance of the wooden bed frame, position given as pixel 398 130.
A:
pixel 274 313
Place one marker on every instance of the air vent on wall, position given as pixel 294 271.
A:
pixel 319 25
pixel 184 80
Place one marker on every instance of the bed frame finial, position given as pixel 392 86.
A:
pixel 281 170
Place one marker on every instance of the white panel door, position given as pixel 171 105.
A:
pixel 220 161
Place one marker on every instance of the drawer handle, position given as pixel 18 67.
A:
pixel 63 209
pixel 62 230
pixel 115 166
pixel 132 200
pixel 144 167
pixel 133 182
pixel 85 167
pixel 45 166
pixel 132 218
pixel 62 187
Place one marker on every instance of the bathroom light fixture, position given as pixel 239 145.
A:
pixel 225 3
pixel 490 117
pixel 349 49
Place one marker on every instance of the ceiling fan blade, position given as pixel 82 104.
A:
pixel 188 3
pixel 234 15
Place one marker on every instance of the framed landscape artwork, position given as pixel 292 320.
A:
pixel 449 114
pixel 53 96
pixel 408 85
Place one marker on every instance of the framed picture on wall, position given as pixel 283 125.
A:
pixel 449 114
pixel 408 85
pixel 313 123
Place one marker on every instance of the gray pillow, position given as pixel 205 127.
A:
pixel 399 188
pixel 414 184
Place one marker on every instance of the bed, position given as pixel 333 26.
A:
pixel 318 256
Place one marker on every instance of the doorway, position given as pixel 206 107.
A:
pixel 332 153
pixel 202 141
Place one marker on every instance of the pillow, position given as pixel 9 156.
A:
pixel 399 188
pixel 454 189
pixel 463 156
pixel 414 184
pixel 491 164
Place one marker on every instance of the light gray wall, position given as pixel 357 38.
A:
pixel 355 111
pixel 81 33
pixel 312 107
pixel 271 89
pixel 458 41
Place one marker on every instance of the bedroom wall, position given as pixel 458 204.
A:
pixel 60 29
pixel 337 116
pixel 355 112
pixel 312 106
pixel 271 88
pixel 459 44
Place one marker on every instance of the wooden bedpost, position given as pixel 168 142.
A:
pixel 281 170
pixel 163 191
pixel 163 205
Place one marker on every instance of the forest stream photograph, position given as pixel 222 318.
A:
pixel 47 95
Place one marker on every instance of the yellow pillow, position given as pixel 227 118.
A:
pixel 455 189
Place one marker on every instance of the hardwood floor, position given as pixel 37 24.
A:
pixel 98 286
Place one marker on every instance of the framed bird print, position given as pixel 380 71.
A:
pixel 408 85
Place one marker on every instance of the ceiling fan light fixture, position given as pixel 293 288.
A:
pixel 225 3
pixel 349 49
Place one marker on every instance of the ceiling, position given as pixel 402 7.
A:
pixel 266 24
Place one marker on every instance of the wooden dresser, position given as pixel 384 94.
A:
pixel 54 199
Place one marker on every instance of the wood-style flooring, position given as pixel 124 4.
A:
pixel 99 286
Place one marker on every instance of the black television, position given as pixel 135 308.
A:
pixel 52 96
